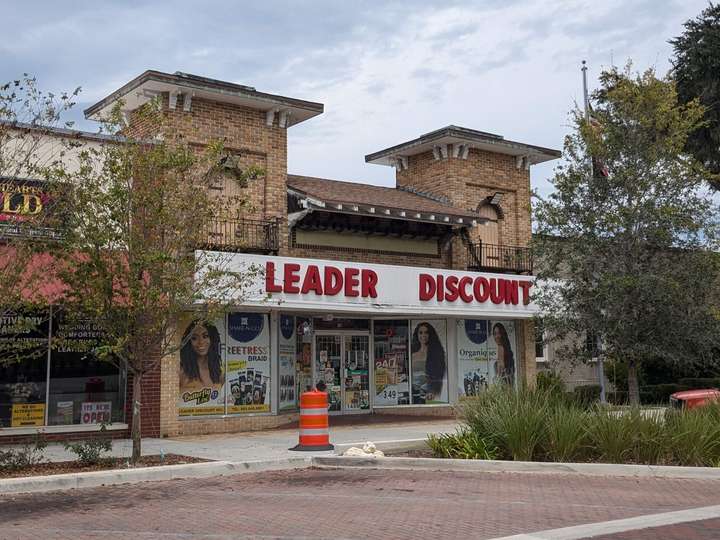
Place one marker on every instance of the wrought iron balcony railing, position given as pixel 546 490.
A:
pixel 243 235
pixel 499 258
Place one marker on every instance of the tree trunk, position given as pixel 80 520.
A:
pixel 633 388
pixel 135 429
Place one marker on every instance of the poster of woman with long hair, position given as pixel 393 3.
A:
pixel 503 350
pixel 201 369
pixel 428 359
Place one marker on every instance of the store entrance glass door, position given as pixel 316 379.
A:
pixel 342 362
pixel 356 388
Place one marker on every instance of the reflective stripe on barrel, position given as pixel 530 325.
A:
pixel 314 419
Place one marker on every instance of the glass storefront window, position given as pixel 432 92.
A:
pixel 392 382
pixel 83 389
pixel 23 369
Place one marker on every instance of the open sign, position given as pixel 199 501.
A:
pixel 96 412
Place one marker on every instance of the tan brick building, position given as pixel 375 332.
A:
pixel 399 299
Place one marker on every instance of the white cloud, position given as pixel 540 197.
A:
pixel 386 71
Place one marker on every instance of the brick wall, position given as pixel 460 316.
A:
pixel 244 132
pixel 466 182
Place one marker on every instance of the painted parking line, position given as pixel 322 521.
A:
pixel 602 528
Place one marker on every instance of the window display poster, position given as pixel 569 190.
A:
pixel 248 362
pixel 392 385
pixel 65 411
pixel 98 412
pixel 428 359
pixel 202 367
pixel 28 414
pixel 475 368
pixel 502 350
pixel 287 357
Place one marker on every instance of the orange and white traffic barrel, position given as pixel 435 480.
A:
pixel 314 425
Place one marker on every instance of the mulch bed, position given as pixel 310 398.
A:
pixel 62 467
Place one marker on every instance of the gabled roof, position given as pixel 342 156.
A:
pixel 393 203
pixel 150 83
pixel 471 138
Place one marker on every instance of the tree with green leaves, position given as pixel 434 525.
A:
pixel 139 210
pixel 696 69
pixel 627 241
pixel 29 168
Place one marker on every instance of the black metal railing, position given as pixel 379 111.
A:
pixel 249 235
pixel 499 258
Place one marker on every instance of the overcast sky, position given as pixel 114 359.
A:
pixel 386 71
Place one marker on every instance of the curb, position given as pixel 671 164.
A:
pixel 113 477
pixel 496 466
pixel 36 484
pixel 400 445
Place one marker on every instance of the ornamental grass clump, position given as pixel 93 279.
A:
pixel 464 444
pixel 513 421
pixel 566 437
pixel 650 444
pixel 694 436
pixel 610 435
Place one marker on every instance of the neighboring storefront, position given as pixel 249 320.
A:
pixel 49 376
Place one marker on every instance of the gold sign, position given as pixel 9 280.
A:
pixel 28 414
pixel 21 200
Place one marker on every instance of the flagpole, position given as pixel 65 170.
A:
pixel 596 346
pixel 586 99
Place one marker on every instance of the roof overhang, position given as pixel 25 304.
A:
pixel 465 138
pixel 312 203
pixel 152 83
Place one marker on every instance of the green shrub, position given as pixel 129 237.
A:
pixel 550 381
pixel 566 433
pixel 513 421
pixel 694 383
pixel 28 455
pixel 694 436
pixel 650 444
pixel 619 397
pixel 90 452
pixel 465 444
pixel 611 435
pixel 587 394
pixel 659 394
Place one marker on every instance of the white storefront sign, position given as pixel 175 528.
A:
pixel 338 286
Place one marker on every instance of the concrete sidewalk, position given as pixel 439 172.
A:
pixel 271 444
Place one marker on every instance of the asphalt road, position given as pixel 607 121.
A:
pixel 355 504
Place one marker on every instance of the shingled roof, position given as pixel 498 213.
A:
pixel 353 197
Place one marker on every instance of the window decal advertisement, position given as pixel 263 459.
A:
pixel 287 357
pixel 392 385
pixel 502 348
pixel 248 362
pixel 202 381
pixel 475 368
pixel 428 358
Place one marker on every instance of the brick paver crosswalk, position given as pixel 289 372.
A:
pixel 348 504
